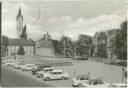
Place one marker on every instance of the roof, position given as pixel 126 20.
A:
pixel 19 14
pixel 45 43
pixel 95 79
pixel 20 42
pixel 57 71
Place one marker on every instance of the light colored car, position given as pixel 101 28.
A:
pixel 28 67
pixel 119 85
pixel 16 65
pixel 8 61
pixel 77 82
pixel 45 70
pixel 56 74
pixel 10 64
pixel 95 83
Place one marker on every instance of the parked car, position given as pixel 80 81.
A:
pixel 16 65
pixel 45 70
pixel 56 74
pixel 111 61
pixel 29 67
pixel 95 83
pixel 10 64
pixel 8 61
pixel 121 62
pixel 77 82
pixel 39 68
pixel 119 85
pixel 20 66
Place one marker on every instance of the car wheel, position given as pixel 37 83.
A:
pixel 63 78
pixel 23 70
pixel 80 85
pixel 47 79
pixel 41 75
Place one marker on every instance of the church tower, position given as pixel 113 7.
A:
pixel 19 24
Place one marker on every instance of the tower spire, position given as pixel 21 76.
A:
pixel 19 13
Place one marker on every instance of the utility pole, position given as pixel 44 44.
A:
pixel 75 49
pixel 89 51
pixel 64 48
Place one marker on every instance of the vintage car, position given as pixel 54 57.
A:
pixel 45 70
pixel 29 67
pixel 119 85
pixel 77 82
pixel 95 83
pixel 39 68
pixel 56 74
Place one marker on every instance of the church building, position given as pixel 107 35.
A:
pixel 21 40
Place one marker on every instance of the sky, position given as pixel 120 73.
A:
pixel 69 18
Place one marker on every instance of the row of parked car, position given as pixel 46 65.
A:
pixel 82 81
pixel 47 72
pixel 116 62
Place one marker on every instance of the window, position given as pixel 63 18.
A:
pixel 82 78
pixel 54 73
pixel 95 83
pixel 101 82
pixel 59 72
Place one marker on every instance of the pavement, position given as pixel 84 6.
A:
pixel 109 73
pixel 17 78
pixel 11 78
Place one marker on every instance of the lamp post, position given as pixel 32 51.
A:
pixel 64 49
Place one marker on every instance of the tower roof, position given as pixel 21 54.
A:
pixel 19 14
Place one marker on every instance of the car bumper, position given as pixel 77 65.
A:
pixel 74 85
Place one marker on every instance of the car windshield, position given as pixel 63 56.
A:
pixel 101 82
pixel 89 82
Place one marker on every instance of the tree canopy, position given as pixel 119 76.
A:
pixel 21 51
pixel 121 42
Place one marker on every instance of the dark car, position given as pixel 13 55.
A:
pixel 121 62
pixel 39 68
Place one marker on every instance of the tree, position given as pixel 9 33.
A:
pixel 121 42
pixel 21 51
pixel 66 46
pixel 4 45
pixel 84 44
pixel 56 46
pixel 102 45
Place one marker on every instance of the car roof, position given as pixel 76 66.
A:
pixel 49 68
pixel 95 79
pixel 9 60
pixel 119 84
pixel 29 64
pixel 57 71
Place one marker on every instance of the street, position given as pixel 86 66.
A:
pixel 11 78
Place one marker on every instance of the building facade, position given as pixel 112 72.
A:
pixel 45 46
pixel 14 44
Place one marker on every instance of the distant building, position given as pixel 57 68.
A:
pixel 20 28
pixel 21 40
pixel 14 44
pixel 45 46
pixel 110 38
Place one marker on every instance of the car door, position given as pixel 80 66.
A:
pixel 54 75
pixel 95 84
pixel 59 75
pixel 82 80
